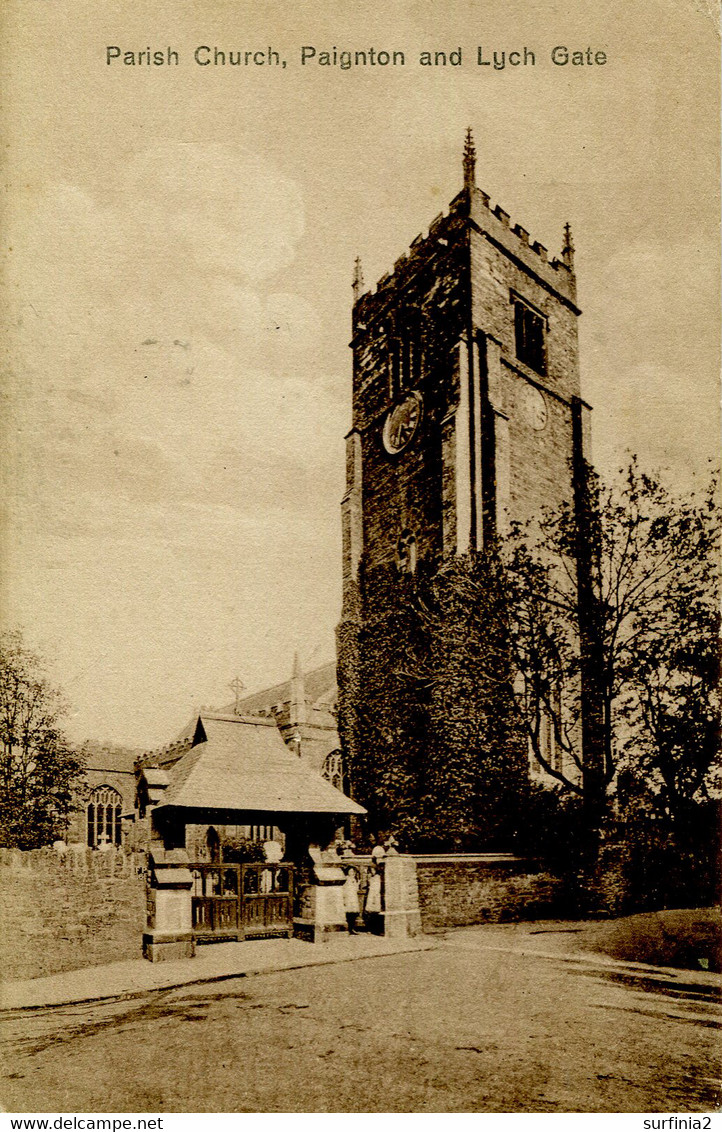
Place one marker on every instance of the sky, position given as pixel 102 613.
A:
pixel 180 243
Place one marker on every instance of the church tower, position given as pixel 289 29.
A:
pixel 466 405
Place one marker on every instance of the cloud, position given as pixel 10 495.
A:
pixel 227 211
pixel 652 388
pixel 171 465
pixel 154 375
pixel 643 299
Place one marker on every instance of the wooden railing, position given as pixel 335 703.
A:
pixel 242 901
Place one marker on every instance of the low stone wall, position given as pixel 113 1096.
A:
pixel 483 888
pixel 75 860
pixel 60 916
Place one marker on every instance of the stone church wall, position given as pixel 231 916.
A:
pixel 458 891
pixel 538 460
pixel 544 477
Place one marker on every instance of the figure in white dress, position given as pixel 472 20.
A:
pixel 350 898
pixel 374 903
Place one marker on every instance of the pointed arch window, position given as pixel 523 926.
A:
pixel 333 770
pixel 104 811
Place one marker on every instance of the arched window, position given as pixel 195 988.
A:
pixel 104 811
pixel 333 769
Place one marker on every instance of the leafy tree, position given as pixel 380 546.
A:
pixel 651 615
pixel 40 772
pixel 670 672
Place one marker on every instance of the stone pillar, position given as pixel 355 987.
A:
pixel 169 933
pixel 402 917
pixel 478 441
pixel 497 492
pixel 321 911
pixel 456 464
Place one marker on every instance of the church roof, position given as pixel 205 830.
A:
pixel 242 763
pixel 109 757
pixel 319 684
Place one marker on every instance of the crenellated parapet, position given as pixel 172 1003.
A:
pixel 426 253
pixel 471 208
pixel 495 224
pixel 162 756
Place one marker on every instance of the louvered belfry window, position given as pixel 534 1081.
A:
pixel 529 331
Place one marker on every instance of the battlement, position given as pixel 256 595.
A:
pixel 160 755
pixel 444 230
pixel 495 223
pixel 472 208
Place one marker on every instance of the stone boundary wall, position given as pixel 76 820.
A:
pixel 75 860
pixel 483 888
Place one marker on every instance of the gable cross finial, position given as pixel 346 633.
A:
pixel 237 686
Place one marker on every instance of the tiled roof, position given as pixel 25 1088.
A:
pixel 319 685
pixel 241 763
pixel 118 760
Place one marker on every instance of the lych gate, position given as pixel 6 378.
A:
pixel 249 901
pixel 238 775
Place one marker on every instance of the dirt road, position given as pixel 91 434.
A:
pixel 457 1029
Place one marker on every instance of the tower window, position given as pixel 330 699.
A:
pixel 404 365
pixel 529 332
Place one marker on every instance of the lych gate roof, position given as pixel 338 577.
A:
pixel 241 763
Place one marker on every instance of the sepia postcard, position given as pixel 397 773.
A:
pixel 359 549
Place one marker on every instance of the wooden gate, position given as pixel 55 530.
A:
pixel 242 901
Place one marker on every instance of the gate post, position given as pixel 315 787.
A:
pixel 402 916
pixel 169 933
pixel 321 902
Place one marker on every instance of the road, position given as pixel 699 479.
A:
pixel 457 1029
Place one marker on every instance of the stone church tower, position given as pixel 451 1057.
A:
pixel 466 412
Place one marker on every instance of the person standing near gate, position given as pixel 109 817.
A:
pixel 373 907
pixel 350 898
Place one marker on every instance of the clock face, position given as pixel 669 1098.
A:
pixel 402 423
pixel 535 408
